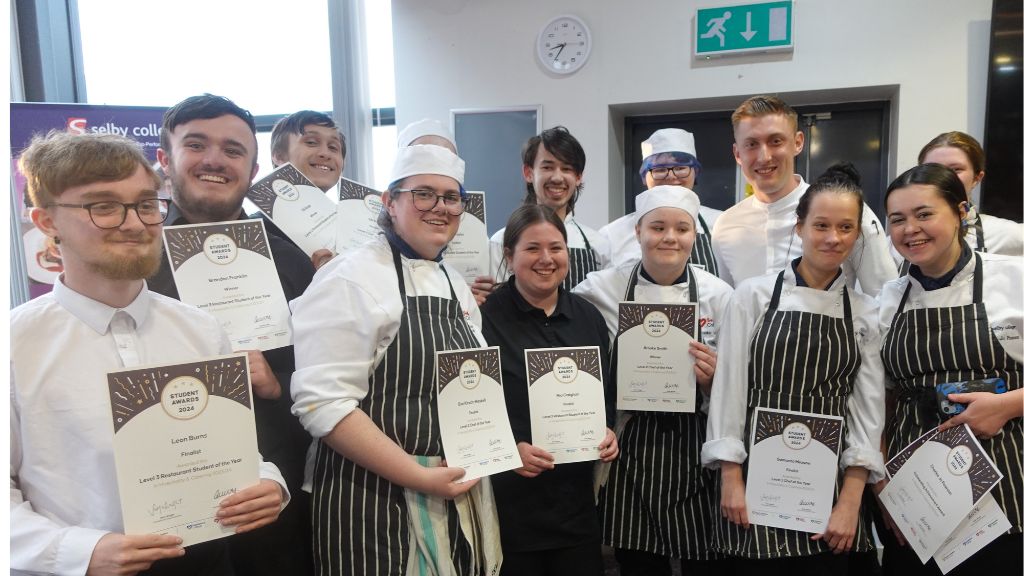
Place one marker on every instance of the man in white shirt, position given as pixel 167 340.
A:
pixel 756 236
pixel 97 197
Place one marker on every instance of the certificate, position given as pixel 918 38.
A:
pixel 298 207
pixel 939 479
pixel 469 251
pixel 475 430
pixel 791 471
pixel 567 415
pixel 184 439
pixel 983 524
pixel 358 208
pixel 655 369
pixel 226 269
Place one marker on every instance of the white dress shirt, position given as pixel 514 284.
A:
pixel 64 494
pixel 573 227
pixel 346 320
pixel 620 236
pixel 1002 292
pixel 753 238
pixel 865 408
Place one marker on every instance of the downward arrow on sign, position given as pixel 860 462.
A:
pixel 748 33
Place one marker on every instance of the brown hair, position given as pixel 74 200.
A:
pixel 59 160
pixel 759 106
pixel 961 141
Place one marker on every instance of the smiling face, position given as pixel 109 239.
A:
pixel 667 159
pixel 317 154
pixel 666 238
pixel 539 260
pixel 210 165
pixel 956 160
pixel 554 181
pixel 426 232
pixel 924 227
pixel 766 148
pixel 830 230
pixel 129 252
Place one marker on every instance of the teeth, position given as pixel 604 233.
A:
pixel 321 167
pixel 213 178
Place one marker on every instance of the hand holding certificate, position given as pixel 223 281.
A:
pixel 184 440
pixel 297 207
pixel 567 410
pixel 655 369
pixel 469 251
pixel 791 474
pixel 475 429
pixel 227 269
pixel 358 208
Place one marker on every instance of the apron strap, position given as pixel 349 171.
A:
pixel 586 242
pixel 691 286
pixel 631 284
pixel 977 277
pixel 774 305
pixel 398 269
pixel 847 314
pixel 703 224
pixel 979 234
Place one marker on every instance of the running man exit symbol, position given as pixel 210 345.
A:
pixel 744 28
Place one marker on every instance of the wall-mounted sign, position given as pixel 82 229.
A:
pixel 724 30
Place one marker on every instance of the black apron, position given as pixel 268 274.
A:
pixel 360 520
pixel 702 255
pixel 582 261
pixel 930 346
pixel 658 498
pixel 805 362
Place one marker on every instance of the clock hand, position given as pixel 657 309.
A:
pixel 560 48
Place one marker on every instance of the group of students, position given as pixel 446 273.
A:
pixel 797 292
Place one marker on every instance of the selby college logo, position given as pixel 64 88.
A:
pixel 76 125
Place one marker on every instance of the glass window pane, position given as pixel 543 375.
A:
pixel 385 145
pixel 380 50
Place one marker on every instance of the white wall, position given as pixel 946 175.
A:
pixel 929 56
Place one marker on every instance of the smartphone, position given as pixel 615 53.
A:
pixel 950 408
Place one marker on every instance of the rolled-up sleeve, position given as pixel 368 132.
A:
pixel 865 408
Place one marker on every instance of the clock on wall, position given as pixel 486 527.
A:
pixel 563 44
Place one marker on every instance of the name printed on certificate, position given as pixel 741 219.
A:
pixel 983 524
pixel 298 207
pixel 567 409
pixel 475 430
pixel 184 439
pixel 791 472
pixel 469 251
pixel 227 269
pixel 358 209
pixel 655 370
pixel 939 479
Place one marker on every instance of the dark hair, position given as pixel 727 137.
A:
pixel 203 107
pixel 839 178
pixel 758 106
pixel 950 188
pixel 961 141
pixel 522 218
pixel 296 124
pixel 563 146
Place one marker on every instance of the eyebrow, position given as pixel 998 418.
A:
pixel 100 195
pixel 205 138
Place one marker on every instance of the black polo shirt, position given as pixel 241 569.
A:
pixel 556 509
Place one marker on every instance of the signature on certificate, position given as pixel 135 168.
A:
pixel 164 508
pixel 587 434
pixel 556 437
pixel 222 492
pixel 637 385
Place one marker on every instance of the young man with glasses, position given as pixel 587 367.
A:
pixel 208 151
pixel 97 197
pixel 670 159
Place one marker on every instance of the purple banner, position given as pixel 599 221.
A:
pixel 141 123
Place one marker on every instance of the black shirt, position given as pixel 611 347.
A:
pixel 556 509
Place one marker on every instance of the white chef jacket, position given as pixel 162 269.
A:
pixel 1002 292
pixel 620 235
pixel 753 238
pixel 347 318
pixel 865 409
pixel 500 271
pixel 64 494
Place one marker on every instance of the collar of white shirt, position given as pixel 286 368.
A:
pixel 97 315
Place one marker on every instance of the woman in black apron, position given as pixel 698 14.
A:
pixel 956 316
pixel 549 522
pixel 365 336
pixel 801 340
pixel 658 500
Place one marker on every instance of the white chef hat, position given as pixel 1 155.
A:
pixel 668 197
pixel 669 140
pixel 424 127
pixel 427 159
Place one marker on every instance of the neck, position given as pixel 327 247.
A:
pixel 206 218
pixel 945 264
pixel 664 276
pixel 563 213
pixel 113 293
pixel 816 278
pixel 791 185
pixel 545 301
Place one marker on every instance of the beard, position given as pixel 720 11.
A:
pixel 137 267
pixel 199 210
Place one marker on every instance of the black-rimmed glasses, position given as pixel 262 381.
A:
pixel 424 200
pixel 109 214
pixel 662 172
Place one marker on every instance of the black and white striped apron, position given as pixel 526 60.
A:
pixel 702 255
pixel 930 346
pixel 658 498
pixel 798 361
pixel 582 261
pixel 360 520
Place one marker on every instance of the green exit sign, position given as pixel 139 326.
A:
pixel 761 27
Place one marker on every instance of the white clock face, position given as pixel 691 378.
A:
pixel 564 44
